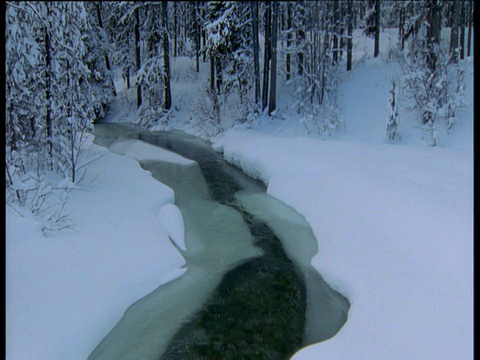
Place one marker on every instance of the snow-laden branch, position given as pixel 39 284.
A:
pixel 72 52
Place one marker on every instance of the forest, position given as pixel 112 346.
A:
pixel 62 59
pixel 155 150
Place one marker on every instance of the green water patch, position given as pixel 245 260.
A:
pixel 256 312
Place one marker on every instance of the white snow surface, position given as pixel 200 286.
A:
pixel 65 291
pixel 394 225
pixel 172 221
pixel 141 150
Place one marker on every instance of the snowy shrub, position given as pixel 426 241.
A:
pixel 40 196
pixel 206 114
pixel 429 134
pixel 455 85
pixel 392 122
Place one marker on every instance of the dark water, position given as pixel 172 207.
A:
pixel 257 304
pixel 258 309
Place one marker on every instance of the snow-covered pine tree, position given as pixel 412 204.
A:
pixel 118 25
pixel 48 103
pixel 392 123
pixel 372 19
pixel 25 100
pixel 272 102
pixel 72 102
pixel 432 79
pixel 316 87
pixel 230 52
pixel 151 73
pixel 98 61
pixel 167 105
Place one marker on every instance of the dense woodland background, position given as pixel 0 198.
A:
pixel 62 59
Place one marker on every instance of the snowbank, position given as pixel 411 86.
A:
pixel 172 221
pixel 65 291
pixel 394 223
pixel 395 234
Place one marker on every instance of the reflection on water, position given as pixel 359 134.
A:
pixel 249 291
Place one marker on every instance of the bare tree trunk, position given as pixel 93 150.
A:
pixel 212 72
pixel 434 19
pixel 48 92
pixel 137 53
pixel 341 30
pixel 107 61
pixel 349 34
pixel 166 58
pixel 204 42
pixel 256 50
pixel 289 38
pixel 197 37
pixel 272 104
pixel 175 30
pixel 462 30
pixel 266 63
pixel 376 50
pixel 401 28
pixel 300 46
pixel 433 33
pixel 218 69
pixel 469 32
pixel 454 51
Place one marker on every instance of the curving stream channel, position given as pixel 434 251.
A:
pixel 249 291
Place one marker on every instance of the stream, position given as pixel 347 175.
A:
pixel 249 291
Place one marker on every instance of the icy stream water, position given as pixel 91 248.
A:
pixel 249 291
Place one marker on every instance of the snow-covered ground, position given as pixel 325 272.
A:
pixel 65 291
pixel 394 225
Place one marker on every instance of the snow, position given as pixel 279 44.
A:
pixel 65 291
pixel 393 222
pixel 140 150
pixel 172 221
pixel 394 227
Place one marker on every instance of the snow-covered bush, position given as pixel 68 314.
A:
pixel 392 122
pixel 205 114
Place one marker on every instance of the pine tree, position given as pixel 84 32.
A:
pixel 272 103
pixel 373 17
pixel 166 59
pixel 392 124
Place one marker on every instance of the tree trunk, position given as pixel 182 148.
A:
pixel 137 53
pixel 266 63
pixel 212 72
pixel 107 61
pixel 204 42
pixel 175 30
pixel 349 34
pixel 335 39
pixel 469 32
pixel 454 51
pixel 433 33
pixel 197 37
pixel 434 19
pixel 48 90
pixel 376 50
pixel 166 59
pixel 256 50
pixel 272 104
pixel 300 45
pixel 218 69
pixel 289 38
pixel 401 27
pixel 462 30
